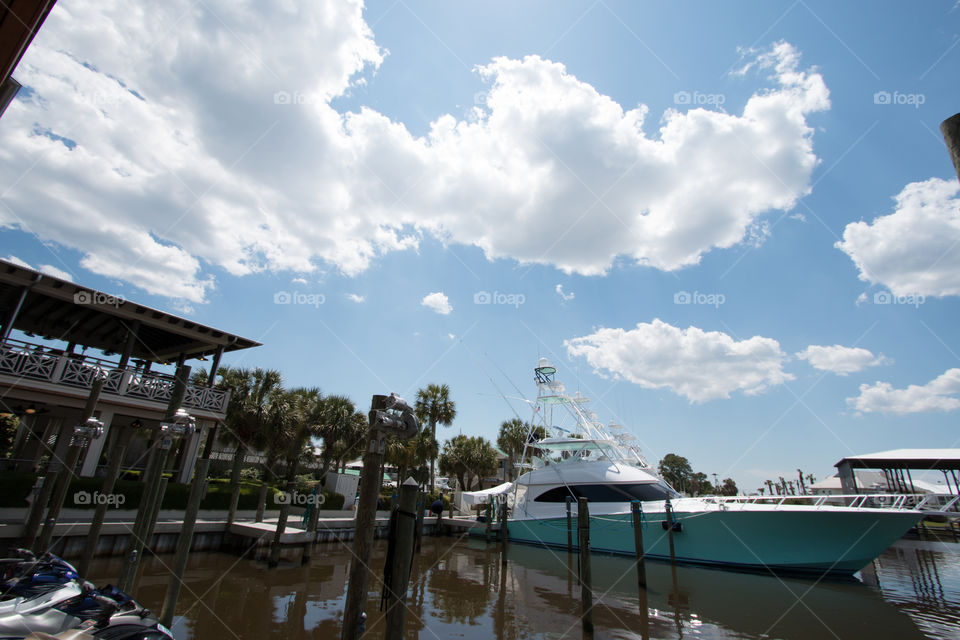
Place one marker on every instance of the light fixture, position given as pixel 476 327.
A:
pixel 91 429
pixel 136 424
pixel 182 425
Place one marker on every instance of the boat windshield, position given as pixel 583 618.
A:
pixel 620 492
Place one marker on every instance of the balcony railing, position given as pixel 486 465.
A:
pixel 37 362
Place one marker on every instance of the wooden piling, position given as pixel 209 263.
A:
pixel 396 591
pixel 637 513
pixel 365 523
pixel 489 518
pixel 93 534
pixel 38 507
pixel 569 526
pixel 184 542
pixel 66 474
pixel 418 530
pixel 504 534
pixel 668 509
pixel 586 593
pixel 153 479
pixel 282 522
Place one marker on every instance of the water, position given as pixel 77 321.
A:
pixel 460 590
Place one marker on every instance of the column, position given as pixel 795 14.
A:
pixel 192 447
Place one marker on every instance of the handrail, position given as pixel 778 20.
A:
pixel 30 361
pixel 939 502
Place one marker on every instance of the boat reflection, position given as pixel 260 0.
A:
pixel 459 588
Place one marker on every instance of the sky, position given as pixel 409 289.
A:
pixel 734 226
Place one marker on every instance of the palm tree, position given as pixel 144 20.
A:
pixel 251 395
pixel 769 484
pixel 337 426
pixel 803 489
pixel 433 407
pixel 512 440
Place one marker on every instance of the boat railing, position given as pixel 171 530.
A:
pixel 930 502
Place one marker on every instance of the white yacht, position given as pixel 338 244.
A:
pixel 583 458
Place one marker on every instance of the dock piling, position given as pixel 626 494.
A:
pixel 636 511
pixel 184 542
pixel 93 534
pixel 396 590
pixel 569 526
pixel 668 509
pixel 504 534
pixel 586 593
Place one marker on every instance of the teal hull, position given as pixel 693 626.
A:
pixel 821 541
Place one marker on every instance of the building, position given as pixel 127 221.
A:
pixel 57 337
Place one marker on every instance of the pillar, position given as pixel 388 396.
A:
pixel 95 448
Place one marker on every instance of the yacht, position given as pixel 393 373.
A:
pixel 582 458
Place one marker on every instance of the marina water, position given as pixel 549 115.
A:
pixel 460 589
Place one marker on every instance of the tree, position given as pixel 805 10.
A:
pixel 728 488
pixel 700 485
pixel 251 394
pixel 339 428
pixel 9 424
pixel 434 407
pixel 410 454
pixel 803 489
pixel 467 458
pixel 676 470
pixel 512 440
pixel 769 484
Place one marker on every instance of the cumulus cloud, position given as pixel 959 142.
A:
pixel 940 394
pixel 48 269
pixel 916 249
pixel 566 297
pixel 355 297
pixel 839 359
pixel 180 139
pixel 438 302
pixel 298 281
pixel 699 365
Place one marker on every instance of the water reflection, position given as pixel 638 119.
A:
pixel 459 588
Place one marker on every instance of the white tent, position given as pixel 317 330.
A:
pixel 470 499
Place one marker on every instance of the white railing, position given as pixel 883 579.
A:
pixel 37 362
pixel 938 502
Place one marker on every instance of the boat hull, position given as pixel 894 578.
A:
pixel 824 540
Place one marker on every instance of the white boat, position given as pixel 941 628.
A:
pixel 583 458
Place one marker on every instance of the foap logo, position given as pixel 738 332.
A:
pixel 297 297
pixel 912 299
pixel 699 99
pixel 99 99
pixel 85 499
pixel 910 99
pixel 288 97
pixel 711 299
pixel 297 499
pixel 513 299
pixel 97 298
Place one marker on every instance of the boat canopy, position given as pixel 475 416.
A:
pixel 473 498
pixel 573 444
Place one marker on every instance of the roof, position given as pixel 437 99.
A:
pixel 906 459
pixel 872 480
pixel 62 310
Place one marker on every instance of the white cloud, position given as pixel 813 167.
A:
pixel 916 249
pixel 355 297
pixel 566 297
pixel 451 336
pixel 438 302
pixel 940 394
pixel 699 365
pixel 48 269
pixel 839 359
pixel 166 167
pixel 298 281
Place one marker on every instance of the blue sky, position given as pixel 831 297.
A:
pixel 747 207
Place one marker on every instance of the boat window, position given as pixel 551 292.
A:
pixel 609 492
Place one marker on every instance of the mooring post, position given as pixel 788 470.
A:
pixel 153 478
pixel 364 527
pixel 418 531
pixel 396 591
pixel 668 509
pixel 569 526
pixel 637 513
pixel 261 502
pixel 282 520
pixel 504 534
pixel 38 507
pixel 586 594
pixel 312 523
pixel 185 541
pixel 155 512
pixel 80 440
pixel 93 534
pixel 489 516
pixel 950 128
